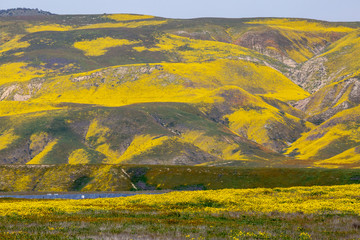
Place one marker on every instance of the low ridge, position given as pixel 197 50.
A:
pixel 23 12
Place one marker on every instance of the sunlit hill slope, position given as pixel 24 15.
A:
pixel 139 89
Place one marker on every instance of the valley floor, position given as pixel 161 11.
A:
pixel 331 212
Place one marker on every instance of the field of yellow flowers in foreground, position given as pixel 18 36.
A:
pixel 331 212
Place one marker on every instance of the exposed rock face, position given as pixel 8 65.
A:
pixel 119 73
pixel 21 91
pixel 311 75
pixel 6 91
pixel 269 42
pixel 330 100
pixel 23 12
pixel 354 95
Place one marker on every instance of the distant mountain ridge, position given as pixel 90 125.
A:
pixel 23 12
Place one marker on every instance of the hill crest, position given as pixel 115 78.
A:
pixel 23 12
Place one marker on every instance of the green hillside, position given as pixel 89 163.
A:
pixel 166 133
pixel 96 177
pixel 139 89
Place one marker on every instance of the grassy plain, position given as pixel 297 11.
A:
pixel 280 213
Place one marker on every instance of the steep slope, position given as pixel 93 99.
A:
pixel 331 99
pixel 296 39
pixel 339 61
pixel 271 123
pixel 291 41
pixel 165 133
pixel 333 143
pixel 334 78
pixel 208 85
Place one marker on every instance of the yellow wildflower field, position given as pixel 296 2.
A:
pixel 319 212
pixel 307 200
pixel 99 46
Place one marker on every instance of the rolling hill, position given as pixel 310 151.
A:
pixel 139 89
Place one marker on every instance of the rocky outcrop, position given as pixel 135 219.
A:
pixel 269 42
pixel 21 91
pixel 330 100
pixel 23 12
pixel 311 75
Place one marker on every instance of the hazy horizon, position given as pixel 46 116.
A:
pixel 328 10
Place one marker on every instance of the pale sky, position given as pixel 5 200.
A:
pixel 330 10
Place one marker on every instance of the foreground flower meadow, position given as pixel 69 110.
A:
pixel 281 213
